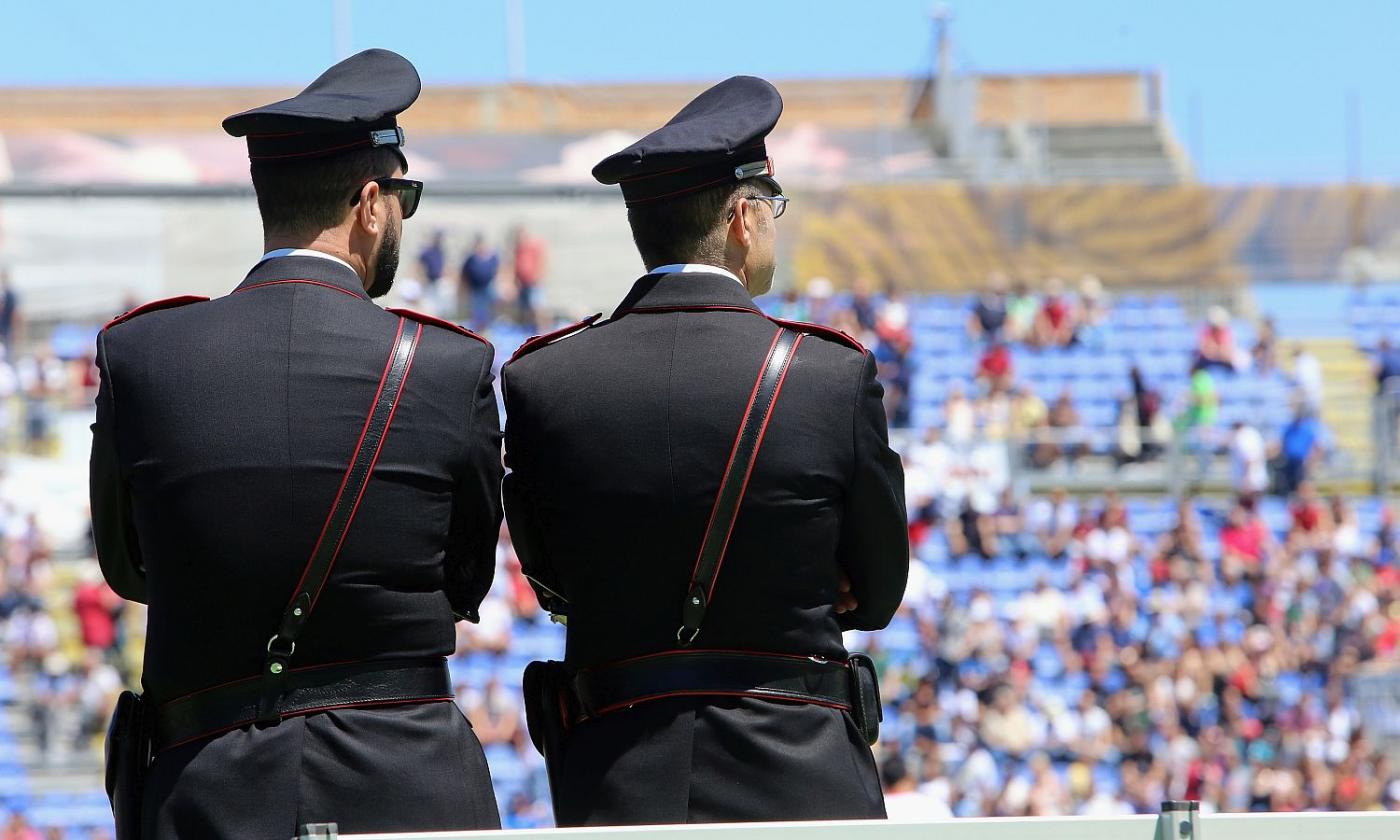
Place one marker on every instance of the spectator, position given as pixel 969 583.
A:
pixel 988 318
pixel 1021 312
pixel 1153 427
pixel 493 711
pixel 1111 541
pixel 1028 411
pixel 863 305
pixel 97 608
pixel 432 262
pixel 960 419
pixel 1215 348
pixel 1129 447
pixel 1265 353
pixel 1052 522
pixel 529 267
pixel 1065 421
pixel 972 532
pixel 1311 527
pixel 1197 422
pixel 10 320
pixel 1057 321
pixel 18 827
pixel 1244 542
pixel 1010 522
pixel 1387 367
pixel 1307 375
pixel 1249 460
pixel 478 281
pixel 793 306
pixel 1093 312
pixel 1300 448
pixel 994 368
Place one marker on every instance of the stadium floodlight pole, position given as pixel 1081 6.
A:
pixel 341 11
pixel 515 40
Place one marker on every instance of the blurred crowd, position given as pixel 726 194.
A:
pixel 1054 654
pixel 486 287
pixel 1209 661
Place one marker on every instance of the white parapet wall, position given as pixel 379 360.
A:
pixel 1369 825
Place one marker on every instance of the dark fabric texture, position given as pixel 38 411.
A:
pixel 223 431
pixel 415 767
pixel 617 437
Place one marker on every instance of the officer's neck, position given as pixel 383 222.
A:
pixel 332 242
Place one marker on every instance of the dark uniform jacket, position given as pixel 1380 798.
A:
pixel 223 431
pixel 617 437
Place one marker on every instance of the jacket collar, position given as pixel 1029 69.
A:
pixel 311 269
pixel 675 292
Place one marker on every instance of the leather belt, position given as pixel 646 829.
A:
pixel 701 673
pixel 318 688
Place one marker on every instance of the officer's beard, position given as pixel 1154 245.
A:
pixel 386 264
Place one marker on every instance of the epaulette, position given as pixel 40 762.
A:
pixel 424 318
pixel 535 343
pixel 154 306
pixel 821 330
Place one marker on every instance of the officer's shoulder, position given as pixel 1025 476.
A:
pixel 441 323
pixel 539 341
pixel 829 334
pixel 154 306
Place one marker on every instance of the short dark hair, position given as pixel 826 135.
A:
pixel 312 195
pixel 674 230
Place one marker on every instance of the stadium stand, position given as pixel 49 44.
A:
pixel 1056 653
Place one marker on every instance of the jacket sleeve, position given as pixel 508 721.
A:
pixel 874 547
pixel 113 529
pixel 476 505
pixel 526 529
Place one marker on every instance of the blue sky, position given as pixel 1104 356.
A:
pixel 1256 91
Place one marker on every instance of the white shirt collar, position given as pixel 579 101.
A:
pixel 303 252
pixel 696 268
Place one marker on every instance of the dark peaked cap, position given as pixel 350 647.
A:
pixel 352 105
pixel 716 139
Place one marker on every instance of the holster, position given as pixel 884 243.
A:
pixel 866 709
pixel 128 754
pixel 545 686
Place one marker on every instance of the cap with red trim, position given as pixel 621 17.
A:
pixel 716 139
pixel 353 105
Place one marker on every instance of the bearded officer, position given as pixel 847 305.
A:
pixel 304 489
pixel 708 529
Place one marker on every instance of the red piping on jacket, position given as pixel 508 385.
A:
pixel 296 593
pixel 154 306
pixel 297 280
pixel 302 713
pixel 388 424
pixel 758 444
pixel 756 696
pixel 424 318
pixel 692 651
pixel 206 690
pixel 733 451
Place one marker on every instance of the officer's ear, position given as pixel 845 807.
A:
pixel 367 215
pixel 741 222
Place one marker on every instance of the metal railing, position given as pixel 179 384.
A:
pixel 1369 825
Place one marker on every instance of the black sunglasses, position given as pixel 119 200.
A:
pixel 408 192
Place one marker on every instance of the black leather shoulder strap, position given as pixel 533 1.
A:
pixel 734 481
pixel 342 513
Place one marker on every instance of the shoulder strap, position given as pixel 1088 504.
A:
pixel 734 482
pixel 155 306
pixel 822 330
pixel 423 317
pixel 347 501
pixel 536 342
